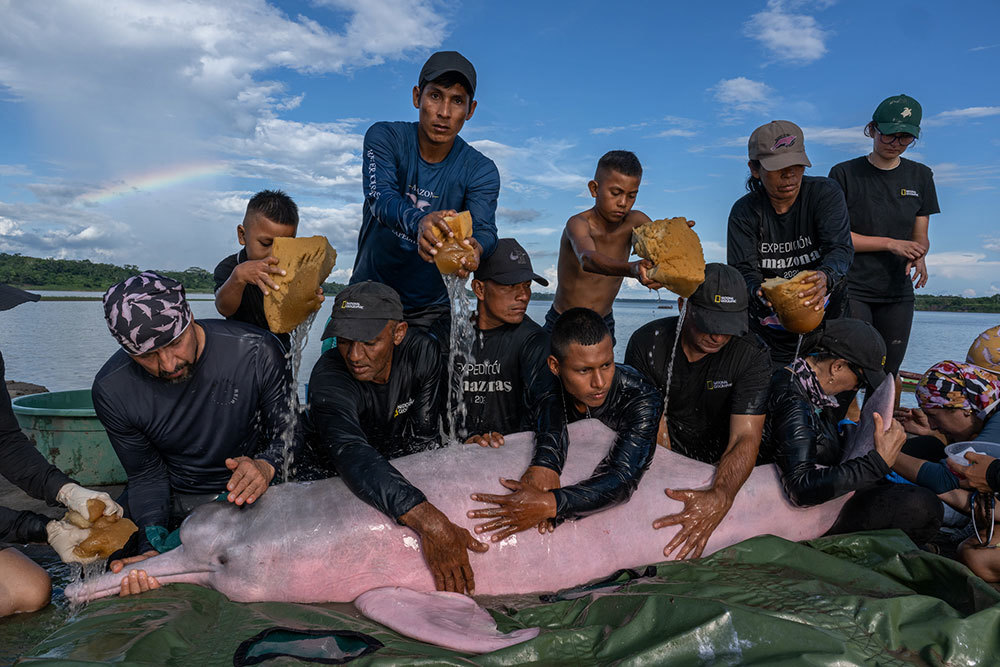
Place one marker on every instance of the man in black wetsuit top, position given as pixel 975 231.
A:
pixel 192 408
pixel 717 396
pixel 374 398
pixel 507 372
pixel 590 386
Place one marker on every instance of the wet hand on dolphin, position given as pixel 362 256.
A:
pixel 543 479
pixel 491 439
pixel 445 547
pixel 250 479
pixel 528 506
pixel 136 581
pixel 702 513
pixel 889 443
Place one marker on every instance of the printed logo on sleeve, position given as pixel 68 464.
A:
pixel 402 408
pixel 908 193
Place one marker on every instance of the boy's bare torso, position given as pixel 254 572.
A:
pixel 578 287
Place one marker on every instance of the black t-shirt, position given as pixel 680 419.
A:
pixel 360 426
pixel 177 436
pixel 884 203
pixel 251 308
pixel 703 394
pixel 505 377
pixel 814 234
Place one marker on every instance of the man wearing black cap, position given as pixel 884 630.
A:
pixel 506 372
pixel 414 175
pixel 191 408
pixel 717 396
pixel 375 398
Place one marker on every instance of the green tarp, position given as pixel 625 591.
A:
pixel 869 598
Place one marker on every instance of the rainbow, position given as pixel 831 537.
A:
pixel 153 180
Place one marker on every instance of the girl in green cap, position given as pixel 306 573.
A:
pixel 890 200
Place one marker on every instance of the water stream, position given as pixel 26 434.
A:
pixel 460 341
pixel 673 353
pixel 296 347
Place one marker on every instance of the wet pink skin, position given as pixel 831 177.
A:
pixel 316 542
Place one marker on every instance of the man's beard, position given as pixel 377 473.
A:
pixel 183 377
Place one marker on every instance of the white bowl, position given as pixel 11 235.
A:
pixel 955 451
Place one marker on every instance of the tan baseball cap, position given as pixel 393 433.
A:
pixel 777 145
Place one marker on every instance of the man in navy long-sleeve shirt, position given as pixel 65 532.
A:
pixel 414 176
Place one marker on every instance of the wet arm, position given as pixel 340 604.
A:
pixel 590 258
pixel 804 481
pixel 20 461
pixel 551 436
pixel 617 476
pixel 481 202
pixel 364 469
pixel 738 460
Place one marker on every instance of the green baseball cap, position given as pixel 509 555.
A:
pixel 900 113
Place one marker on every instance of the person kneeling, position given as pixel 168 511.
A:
pixel 591 386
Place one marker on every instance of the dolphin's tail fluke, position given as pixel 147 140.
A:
pixel 168 568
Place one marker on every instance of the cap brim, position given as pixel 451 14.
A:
pixel 515 277
pixel 430 76
pixel 895 128
pixel 779 162
pixel 354 328
pixel 12 296
pixel 719 323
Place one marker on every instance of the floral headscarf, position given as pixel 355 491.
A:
pixel 949 384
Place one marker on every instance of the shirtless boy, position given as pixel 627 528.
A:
pixel 595 246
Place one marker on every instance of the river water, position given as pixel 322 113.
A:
pixel 62 344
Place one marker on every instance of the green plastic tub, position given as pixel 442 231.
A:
pixel 66 430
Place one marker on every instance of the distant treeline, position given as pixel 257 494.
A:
pixel 84 275
pixel 959 304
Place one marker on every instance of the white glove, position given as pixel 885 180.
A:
pixel 63 537
pixel 75 497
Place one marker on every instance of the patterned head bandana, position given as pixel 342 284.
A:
pixel 146 311
pixel 949 384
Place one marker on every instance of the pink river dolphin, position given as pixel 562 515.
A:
pixel 317 542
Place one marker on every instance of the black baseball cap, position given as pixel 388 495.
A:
pixel 858 343
pixel 443 62
pixel 361 311
pixel 508 265
pixel 12 296
pixel 719 305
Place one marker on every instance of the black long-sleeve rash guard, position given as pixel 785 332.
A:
pixel 632 409
pixel 807 448
pixel 24 466
pixel 361 426
pixel 177 436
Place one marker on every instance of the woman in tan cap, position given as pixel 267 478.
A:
pixel 890 200
pixel 788 223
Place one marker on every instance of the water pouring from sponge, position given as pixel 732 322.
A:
pixel 452 251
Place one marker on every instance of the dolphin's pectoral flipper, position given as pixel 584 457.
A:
pixel 450 620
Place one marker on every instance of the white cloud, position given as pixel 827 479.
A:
pixel 992 244
pixel 984 48
pixel 58 231
pixel 966 266
pixel 979 177
pixel 341 276
pixel 339 224
pixel 533 167
pixel 676 132
pixel 969 292
pixel 608 130
pixel 788 37
pixel 14 170
pixel 132 87
pixel 743 94
pixel 967 113
pixel 849 137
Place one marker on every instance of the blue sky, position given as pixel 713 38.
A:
pixel 135 131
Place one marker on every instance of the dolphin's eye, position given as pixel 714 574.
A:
pixel 223 559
